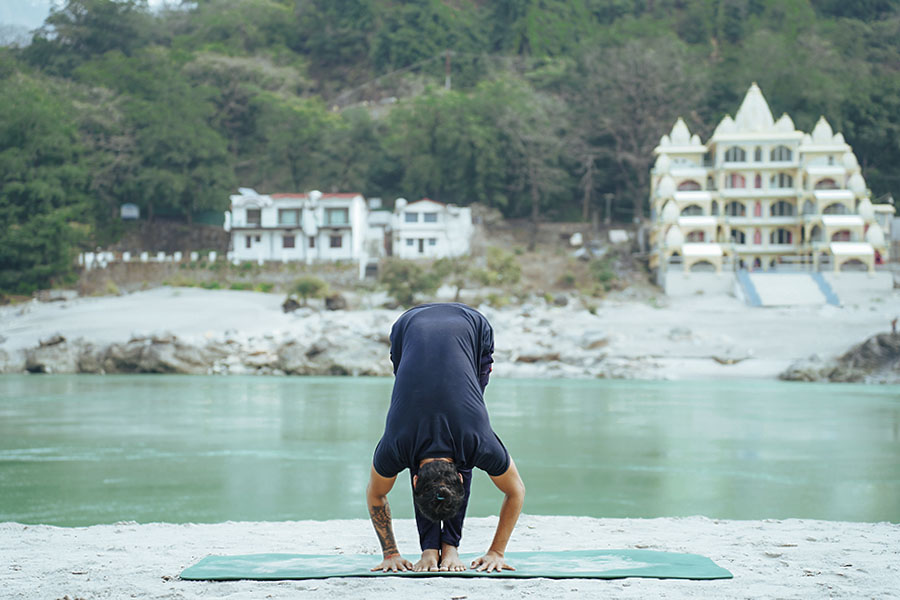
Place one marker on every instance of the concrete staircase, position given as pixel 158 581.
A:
pixel 785 289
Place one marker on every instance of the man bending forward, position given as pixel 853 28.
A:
pixel 437 426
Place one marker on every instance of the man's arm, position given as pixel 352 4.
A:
pixel 510 483
pixel 380 513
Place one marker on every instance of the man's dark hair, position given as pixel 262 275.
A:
pixel 439 493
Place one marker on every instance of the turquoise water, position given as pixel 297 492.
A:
pixel 81 450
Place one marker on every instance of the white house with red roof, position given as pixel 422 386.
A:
pixel 309 227
pixel 430 229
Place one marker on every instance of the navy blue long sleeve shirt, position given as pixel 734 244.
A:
pixel 442 356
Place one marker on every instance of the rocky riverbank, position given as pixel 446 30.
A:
pixel 876 360
pixel 196 331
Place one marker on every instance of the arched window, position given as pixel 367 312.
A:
pixel 691 210
pixel 695 236
pixel 757 154
pixel 809 208
pixel 757 181
pixel 781 180
pixel 757 209
pixel 780 236
pixel 738 236
pixel 826 184
pixel 735 209
pixel 715 208
pixel 757 237
pixel 816 234
pixel 735 154
pixel 841 236
pixel 735 180
pixel 782 208
pixel 703 266
pixel 835 209
pixel 781 154
pixel 853 265
pixel 710 183
pixel 689 186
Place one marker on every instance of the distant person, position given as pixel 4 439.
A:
pixel 437 426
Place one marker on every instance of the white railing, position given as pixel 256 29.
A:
pixel 101 260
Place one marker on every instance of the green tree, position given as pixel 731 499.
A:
pixel 503 269
pixel 184 164
pixel 405 280
pixel 310 287
pixel 44 199
pixel 81 29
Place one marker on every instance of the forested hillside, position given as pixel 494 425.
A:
pixel 540 108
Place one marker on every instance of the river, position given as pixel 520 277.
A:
pixel 81 450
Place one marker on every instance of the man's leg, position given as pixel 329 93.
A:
pixel 429 541
pixel 451 532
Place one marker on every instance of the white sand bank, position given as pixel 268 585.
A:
pixel 620 338
pixel 800 559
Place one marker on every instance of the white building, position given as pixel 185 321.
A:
pixel 430 229
pixel 297 227
pixel 761 195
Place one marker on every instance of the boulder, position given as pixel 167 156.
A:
pixel 336 302
pixel 12 361
pixel 54 355
pixel 290 305
pixel 158 354
pixel 90 359
pixel 876 360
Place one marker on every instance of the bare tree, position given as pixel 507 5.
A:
pixel 630 96
pixel 533 124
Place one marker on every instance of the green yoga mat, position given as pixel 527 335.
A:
pixel 579 564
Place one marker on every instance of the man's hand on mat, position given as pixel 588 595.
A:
pixel 428 562
pixel 491 561
pixel 394 563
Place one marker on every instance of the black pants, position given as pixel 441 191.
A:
pixel 432 534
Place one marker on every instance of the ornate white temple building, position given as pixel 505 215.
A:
pixel 760 195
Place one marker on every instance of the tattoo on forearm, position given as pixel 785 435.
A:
pixel 381 519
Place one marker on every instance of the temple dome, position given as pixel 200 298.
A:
pixel 725 126
pixel 857 184
pixel 822 133
pixel 785 124
pixel 665 141
pixel 663 163
pixel 850 162
pixel 666 187
pixel 754 113
pixel 670 213
pixel 874 235
pixel 839 138
pixel 866 210
pixel 680 134
pixel 674 237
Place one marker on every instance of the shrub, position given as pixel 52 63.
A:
pixel 503 268
pixel 405 279
pixel 309 286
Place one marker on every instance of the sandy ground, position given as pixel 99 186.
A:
pixel 675 340
pixel 799 559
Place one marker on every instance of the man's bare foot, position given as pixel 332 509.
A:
pixel 428 562
pixel 450 559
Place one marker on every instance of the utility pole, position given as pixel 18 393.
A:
pixel 447 69
pixel 607 217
